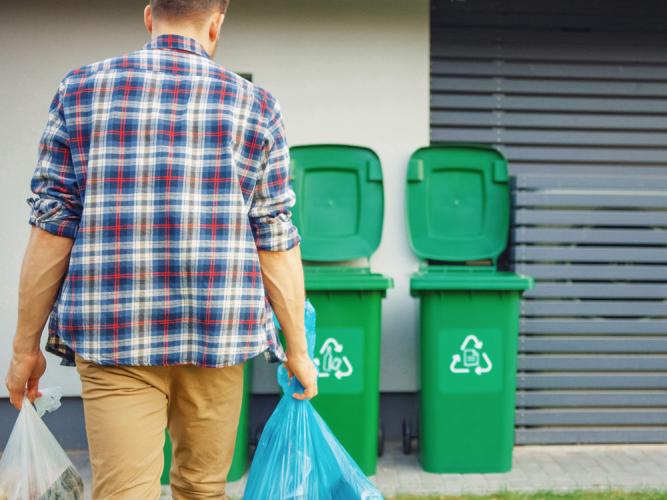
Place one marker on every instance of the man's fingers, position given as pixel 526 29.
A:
pixel 15 394
pixel 309 393
pixel 16 399
pixel 33 389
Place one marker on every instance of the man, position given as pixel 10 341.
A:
pixel 162 240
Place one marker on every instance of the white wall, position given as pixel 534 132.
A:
pixel 350 71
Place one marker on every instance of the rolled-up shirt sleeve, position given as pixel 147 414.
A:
pixel 56 206
pixel 270 211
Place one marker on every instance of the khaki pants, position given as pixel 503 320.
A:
pixel 127 408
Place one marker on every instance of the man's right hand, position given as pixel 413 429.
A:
pixel 24 372
pixel 303 368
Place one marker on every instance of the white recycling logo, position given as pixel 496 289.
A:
pixel 334 362
pixel 471 359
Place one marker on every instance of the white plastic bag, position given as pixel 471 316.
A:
pixel 33 465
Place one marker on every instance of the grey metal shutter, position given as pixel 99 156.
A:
pixel 575 95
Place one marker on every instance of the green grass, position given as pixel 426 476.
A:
pixel 547 495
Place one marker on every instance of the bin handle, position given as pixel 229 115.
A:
pixel 374 171
pixel 415 170
pixel 500 174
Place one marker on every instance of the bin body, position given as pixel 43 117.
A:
pixel 240 460
pixel 164 479
pixel 347 350
pixel 469 342
pixel 458 208
pixel 339 211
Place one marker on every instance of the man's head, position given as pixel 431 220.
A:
pixel 199 19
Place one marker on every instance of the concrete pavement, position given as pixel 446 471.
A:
pixel 555 468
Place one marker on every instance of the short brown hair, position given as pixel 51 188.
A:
pixel 174 9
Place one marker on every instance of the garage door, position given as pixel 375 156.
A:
pixel 575 95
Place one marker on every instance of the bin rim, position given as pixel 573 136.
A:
pixel 458 279
pixel 345 278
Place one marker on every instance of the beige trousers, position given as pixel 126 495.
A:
pixel 126 410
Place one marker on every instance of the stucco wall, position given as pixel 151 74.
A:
pixel 347 71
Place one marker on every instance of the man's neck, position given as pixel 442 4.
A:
pixel 186 32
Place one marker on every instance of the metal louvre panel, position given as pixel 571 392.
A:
pixel 583 326
pixel 598 217
pixel 639 416
pixel 574 94
pixel 599 290
pixel 587 344
pixel 614 236
pixel 590 434
pixel 591 399
pixel 594 272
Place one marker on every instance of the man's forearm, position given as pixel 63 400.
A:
pixel 282 273
pixel 44 266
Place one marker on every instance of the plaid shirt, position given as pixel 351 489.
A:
pixel 169 172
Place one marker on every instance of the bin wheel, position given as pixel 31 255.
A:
pixel 258 434
pixel 407 437
pixel 254 441
pixel 381 439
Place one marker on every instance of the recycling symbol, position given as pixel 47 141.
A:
pixel 334 362
pixel 471 358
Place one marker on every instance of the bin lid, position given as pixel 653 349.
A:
pixel 434 278
pixel 345 278
pixel 339 201
pixel 458 202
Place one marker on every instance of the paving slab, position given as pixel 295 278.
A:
pixel 633 467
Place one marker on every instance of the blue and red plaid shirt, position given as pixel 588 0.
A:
pixel 169 172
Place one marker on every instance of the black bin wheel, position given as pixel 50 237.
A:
pixel 254 441
pixel 407 437
pixel 381 439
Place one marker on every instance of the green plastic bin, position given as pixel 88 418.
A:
pixel 240 460
pixel 339 212
pixel 458 207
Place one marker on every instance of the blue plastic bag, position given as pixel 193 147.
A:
pixel 297 456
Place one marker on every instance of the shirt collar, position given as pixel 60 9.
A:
pixel 177 42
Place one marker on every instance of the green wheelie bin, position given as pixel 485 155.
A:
pixel 458 212
pixel 339 212
pixel 240 460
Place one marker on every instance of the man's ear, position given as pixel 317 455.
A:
pixel 148 18
pixel 215 26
